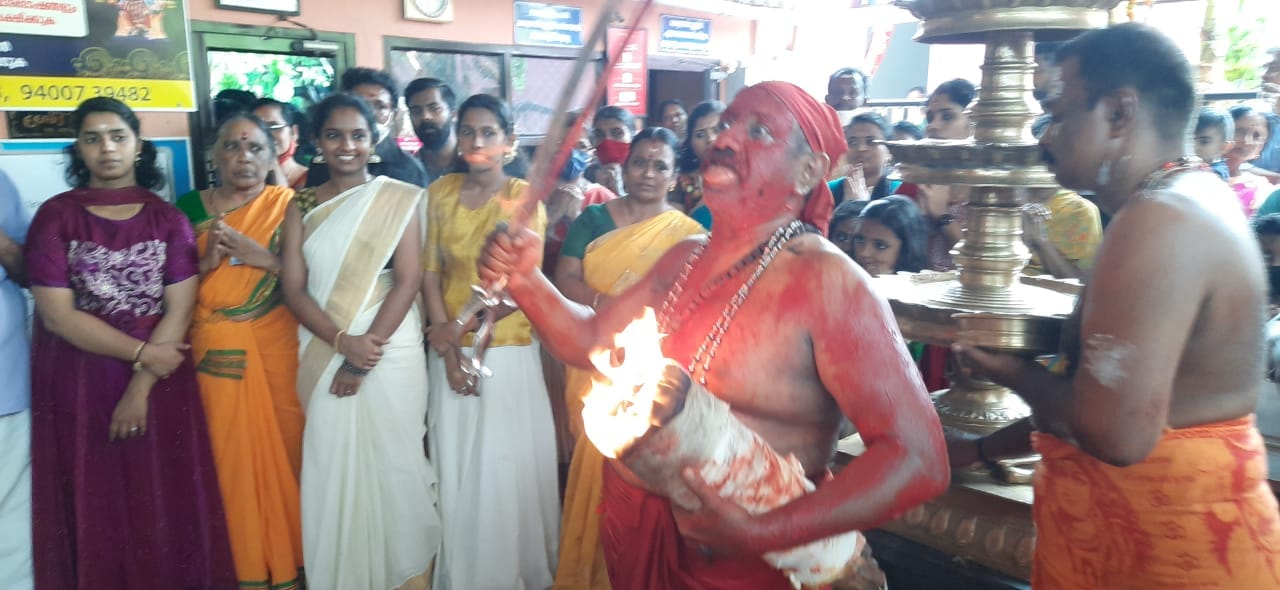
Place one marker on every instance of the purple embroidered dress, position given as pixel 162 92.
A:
pixel 143 512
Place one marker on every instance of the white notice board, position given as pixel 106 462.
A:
pixel 37 167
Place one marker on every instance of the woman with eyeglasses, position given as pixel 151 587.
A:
pixel 282 121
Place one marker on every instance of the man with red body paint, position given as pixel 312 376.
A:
pixel 811 342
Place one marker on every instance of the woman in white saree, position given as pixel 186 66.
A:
pixel 351 269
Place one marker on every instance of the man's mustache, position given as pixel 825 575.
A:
pixel 722 157
pixel 429 129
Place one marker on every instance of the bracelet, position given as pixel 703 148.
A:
pixel 137 357
pixel 354 370
pixel 338 338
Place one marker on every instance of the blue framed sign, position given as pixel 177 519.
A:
pixel 684 34
pixel 548 24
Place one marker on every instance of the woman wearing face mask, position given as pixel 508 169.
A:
pixel 704 127
pixel 493 441
pixel 612 129
pixel 124 492
pixel 867 161
pixel 351 254
pixel 245 345
pixel 279 118
pixel 609 248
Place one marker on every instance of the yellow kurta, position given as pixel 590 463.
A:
pixel 1074 228
pixel 245 345
pixel 613 262
pixel 455 237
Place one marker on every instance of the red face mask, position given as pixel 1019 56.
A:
pixel 612 151
pixel 287 154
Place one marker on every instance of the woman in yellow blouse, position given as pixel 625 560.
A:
pixel 494 446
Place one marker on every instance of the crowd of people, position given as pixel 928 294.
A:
pixel 259 386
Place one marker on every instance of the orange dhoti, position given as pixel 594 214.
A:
pixel 245 346
pixel 1196 514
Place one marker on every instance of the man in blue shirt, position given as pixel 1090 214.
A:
pixel 15 396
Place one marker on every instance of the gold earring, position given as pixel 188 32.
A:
pixel 318 159
pixel 375 159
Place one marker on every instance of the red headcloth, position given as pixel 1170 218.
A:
pixel 821 127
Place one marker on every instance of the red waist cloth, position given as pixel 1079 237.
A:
pixel 643 549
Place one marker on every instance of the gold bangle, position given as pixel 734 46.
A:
pixel 137 357
pixel 337 338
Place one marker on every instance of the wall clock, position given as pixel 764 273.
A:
pixel 436 11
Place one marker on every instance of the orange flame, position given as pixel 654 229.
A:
pixel 617 410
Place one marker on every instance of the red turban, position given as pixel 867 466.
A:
pixel 821 128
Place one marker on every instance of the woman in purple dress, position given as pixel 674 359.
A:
pixel 124 493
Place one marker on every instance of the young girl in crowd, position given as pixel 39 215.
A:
pixel 124 489
pixel 1251 134
pixel 891 237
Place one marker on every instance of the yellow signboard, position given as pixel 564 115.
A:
pixel 55 54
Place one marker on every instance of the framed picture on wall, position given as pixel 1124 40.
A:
pixel 282 7
pixel 432 11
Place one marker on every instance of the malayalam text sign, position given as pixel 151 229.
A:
pixel 629 80
pixel 132 50
pixel 685 34
pixel 51 18
pixel 547 24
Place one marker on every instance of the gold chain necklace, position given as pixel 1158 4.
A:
pixel 701 362
pixel 1159 178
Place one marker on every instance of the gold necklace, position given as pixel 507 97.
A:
pixel 707 351
pixel 1159 178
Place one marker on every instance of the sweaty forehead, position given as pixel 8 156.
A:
pixel 765 108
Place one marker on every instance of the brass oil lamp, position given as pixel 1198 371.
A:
pixel 987 301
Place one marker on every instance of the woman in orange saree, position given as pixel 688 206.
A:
pixel 245 346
